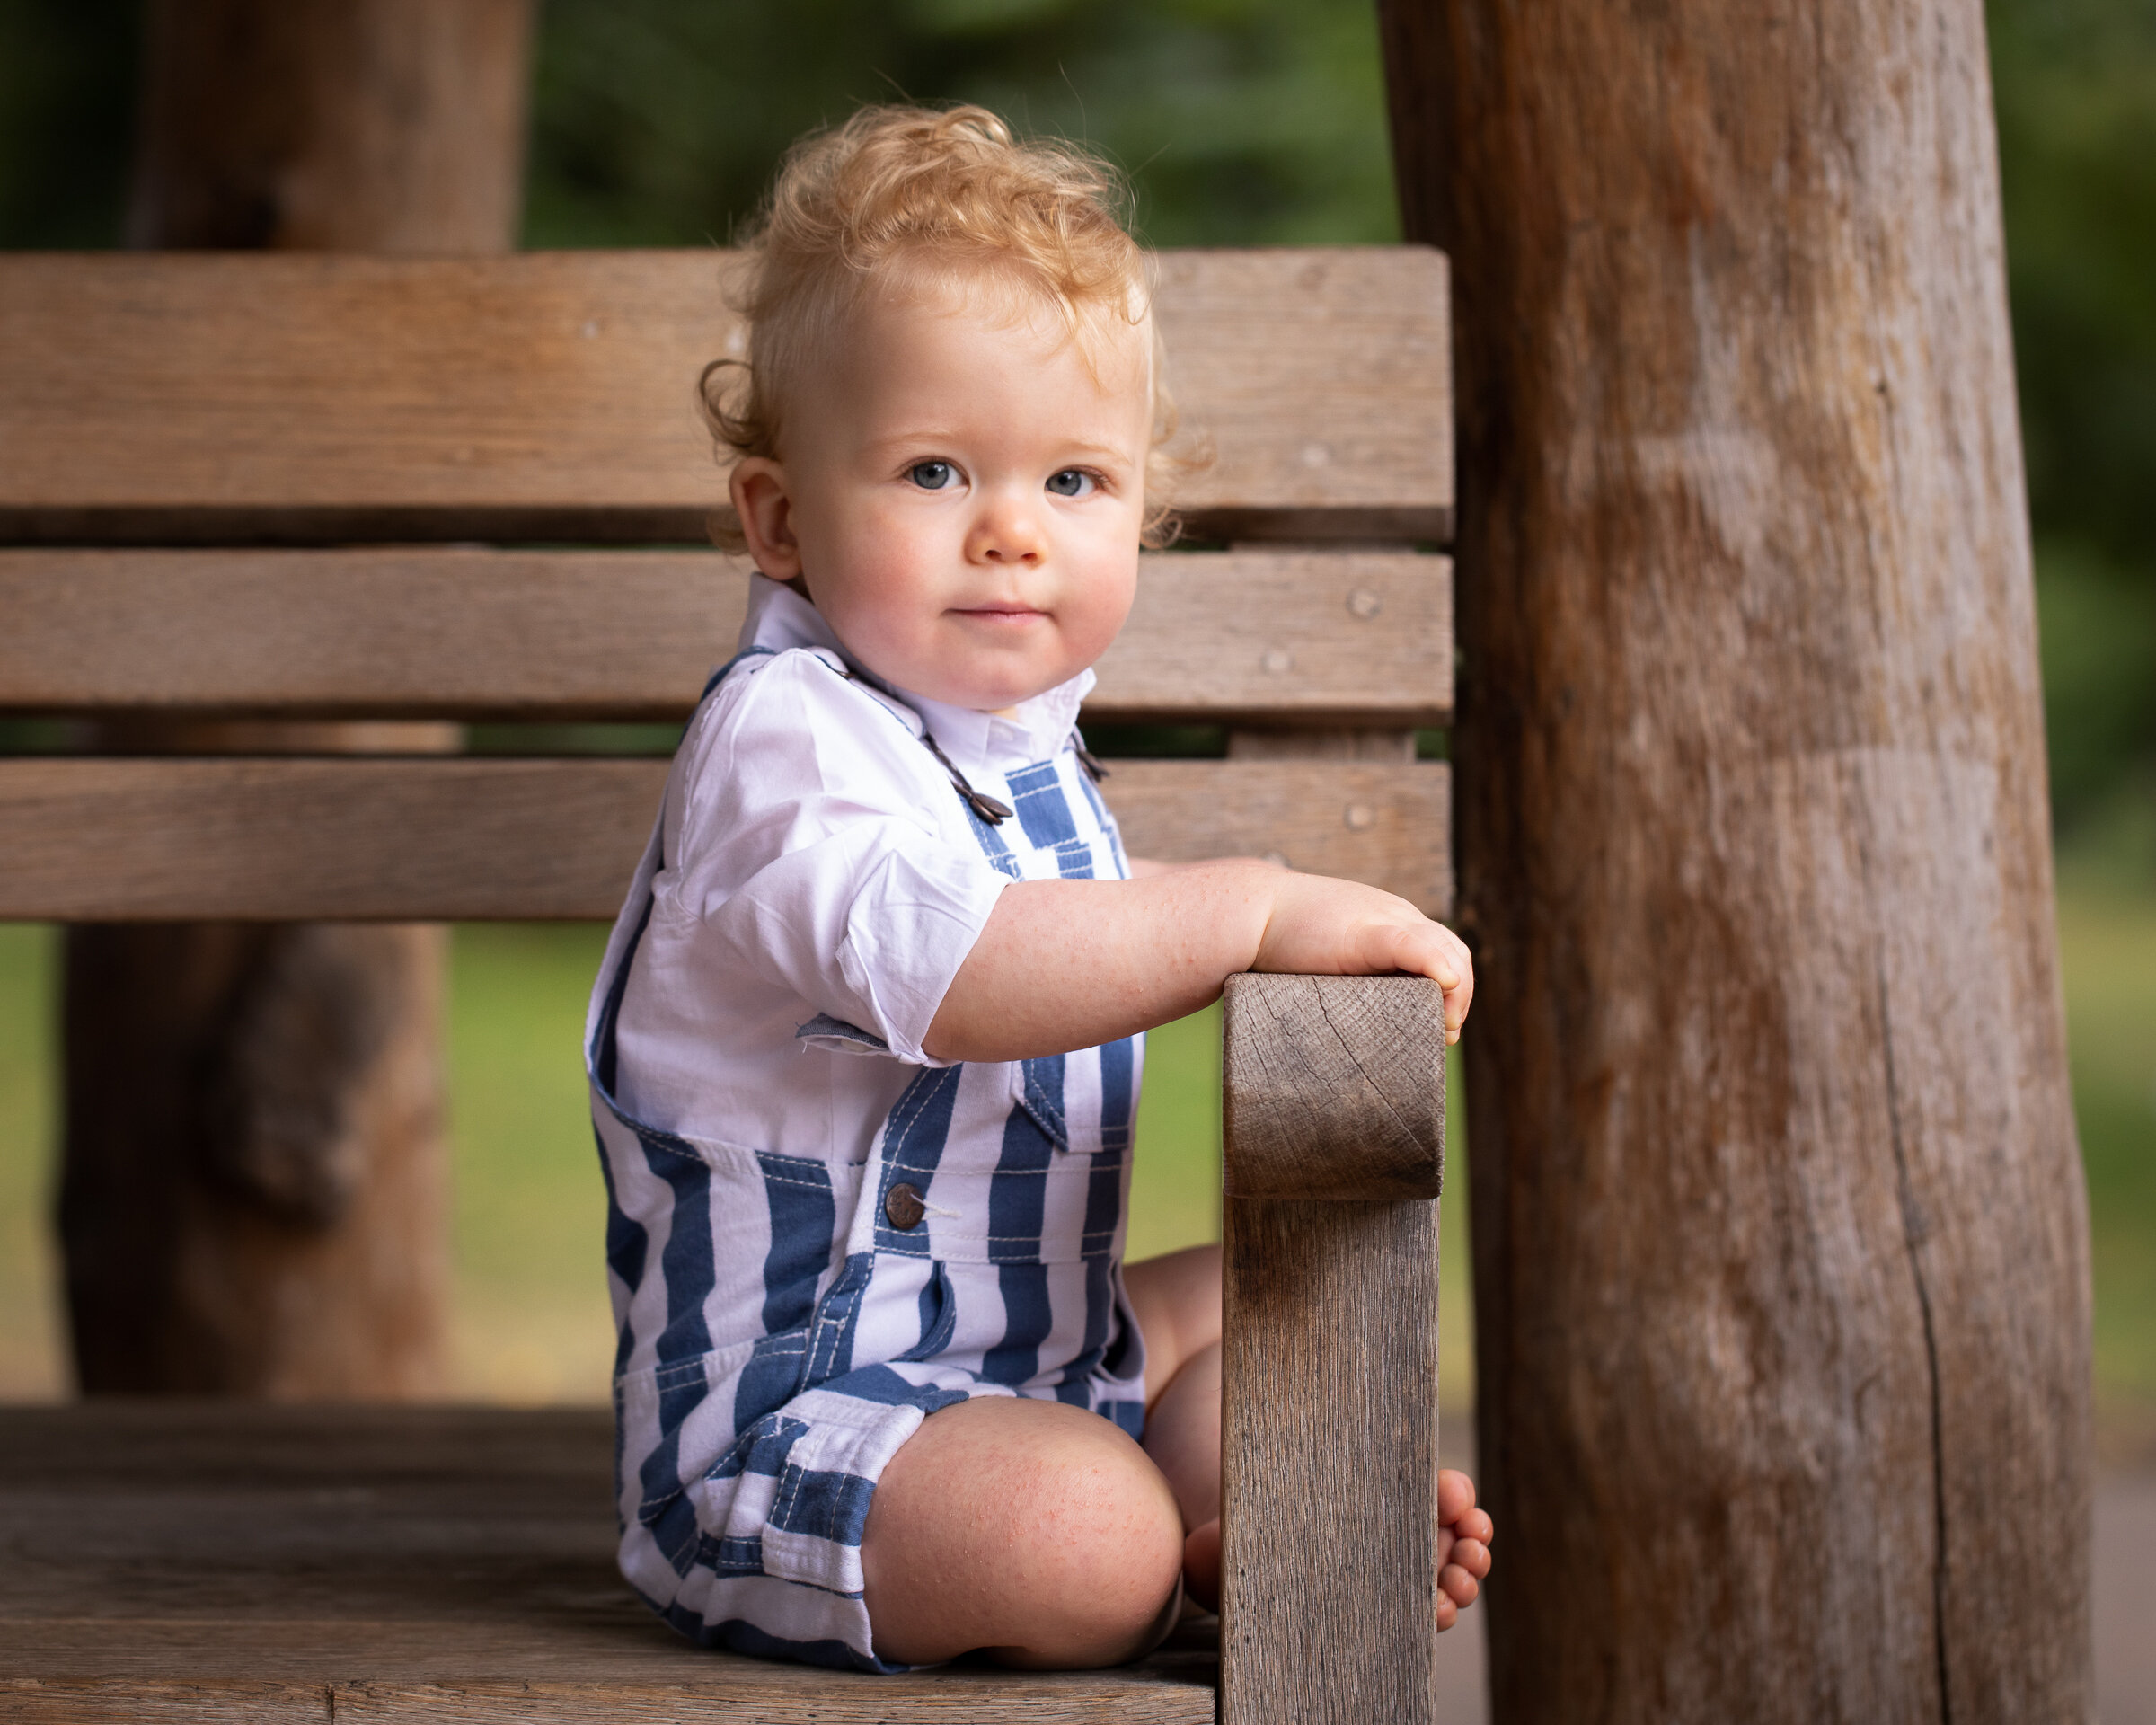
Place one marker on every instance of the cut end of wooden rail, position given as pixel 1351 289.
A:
pixel 1335 1087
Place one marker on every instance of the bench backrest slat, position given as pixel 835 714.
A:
pixel 455 838
pixel 550 396
pixel 440 632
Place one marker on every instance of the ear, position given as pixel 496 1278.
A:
pixel 758 487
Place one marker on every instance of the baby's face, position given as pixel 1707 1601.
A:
pixel 963 494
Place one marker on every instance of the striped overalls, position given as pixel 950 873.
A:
pixel 787 1319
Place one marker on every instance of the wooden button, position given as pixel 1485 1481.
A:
pixel 902 1204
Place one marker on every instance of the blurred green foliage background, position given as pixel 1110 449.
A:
pixel 1241 123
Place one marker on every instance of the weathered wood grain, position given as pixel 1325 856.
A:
pixel 1339 1087
pixel 434 839
pixel 552 395
pixel 1781 1264
pixel 1332 1152
pixel 1329 1461
pixel 1295 637
pixel 631 635
pixel 184 1560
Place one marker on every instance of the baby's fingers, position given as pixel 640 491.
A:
pixel 1460 993
pixel 1420 949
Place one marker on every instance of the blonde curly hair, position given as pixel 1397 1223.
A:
pixel 926 198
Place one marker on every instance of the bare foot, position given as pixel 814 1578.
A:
pixel 1463 1536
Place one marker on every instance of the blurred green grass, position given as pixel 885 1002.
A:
pixel 530 1323
pixel 31 1345
pixel 2107 944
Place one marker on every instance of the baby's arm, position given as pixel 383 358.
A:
pixel 1068 964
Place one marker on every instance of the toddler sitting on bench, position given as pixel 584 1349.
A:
pixel 866 1047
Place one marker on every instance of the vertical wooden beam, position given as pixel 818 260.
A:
pixel 253 1199
pixel 1782 1253
pixel 1333 1155
pixel 332 125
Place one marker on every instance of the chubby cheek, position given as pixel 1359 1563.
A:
pixel 1100 610
pixel 871 597
pixel 888 635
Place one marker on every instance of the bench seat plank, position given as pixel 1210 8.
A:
pixel 175 1560
pixel 428 839
pixel 213 398
pixel 467 634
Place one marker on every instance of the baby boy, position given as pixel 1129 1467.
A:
pixel 866 1047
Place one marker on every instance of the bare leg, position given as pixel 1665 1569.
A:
pixel 1049 1539
pixel 1182 1436
pixel 1038 1531
pixel 1177 1298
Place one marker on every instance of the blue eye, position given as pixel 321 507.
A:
pixel 1072 481
pixel 931 475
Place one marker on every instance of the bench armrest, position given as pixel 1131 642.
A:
pixel 1332 1159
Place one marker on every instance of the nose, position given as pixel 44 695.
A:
pixel 1007 530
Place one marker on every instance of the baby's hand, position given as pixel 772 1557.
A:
pixel 1325 927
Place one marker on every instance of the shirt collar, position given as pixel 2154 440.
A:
pixel 779 618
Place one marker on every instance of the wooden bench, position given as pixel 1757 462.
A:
pixel 318 487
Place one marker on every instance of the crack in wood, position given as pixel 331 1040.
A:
pixel 1347 1044
pixel 1912 1232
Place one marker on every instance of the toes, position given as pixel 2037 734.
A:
pixel 1456 1495
pixel 1456 1584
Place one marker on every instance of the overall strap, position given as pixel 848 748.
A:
pixel 987 808
pixel 982 804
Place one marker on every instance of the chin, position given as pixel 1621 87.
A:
pixel 992 694
pixel 989 701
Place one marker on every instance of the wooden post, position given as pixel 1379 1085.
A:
pixel 1781 1248
pixel 253 1195
pixel 332 125
pixel 1333 1152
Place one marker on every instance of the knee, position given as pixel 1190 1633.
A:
pixel 1040 1532
pixel 1104 1550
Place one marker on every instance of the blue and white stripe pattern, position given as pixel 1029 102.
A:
pixel 781 1331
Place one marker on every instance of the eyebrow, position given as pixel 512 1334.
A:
pixel 936 434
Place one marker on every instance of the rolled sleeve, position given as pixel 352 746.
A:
pixel 866 927
pixel 907 932
pixel 811 859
